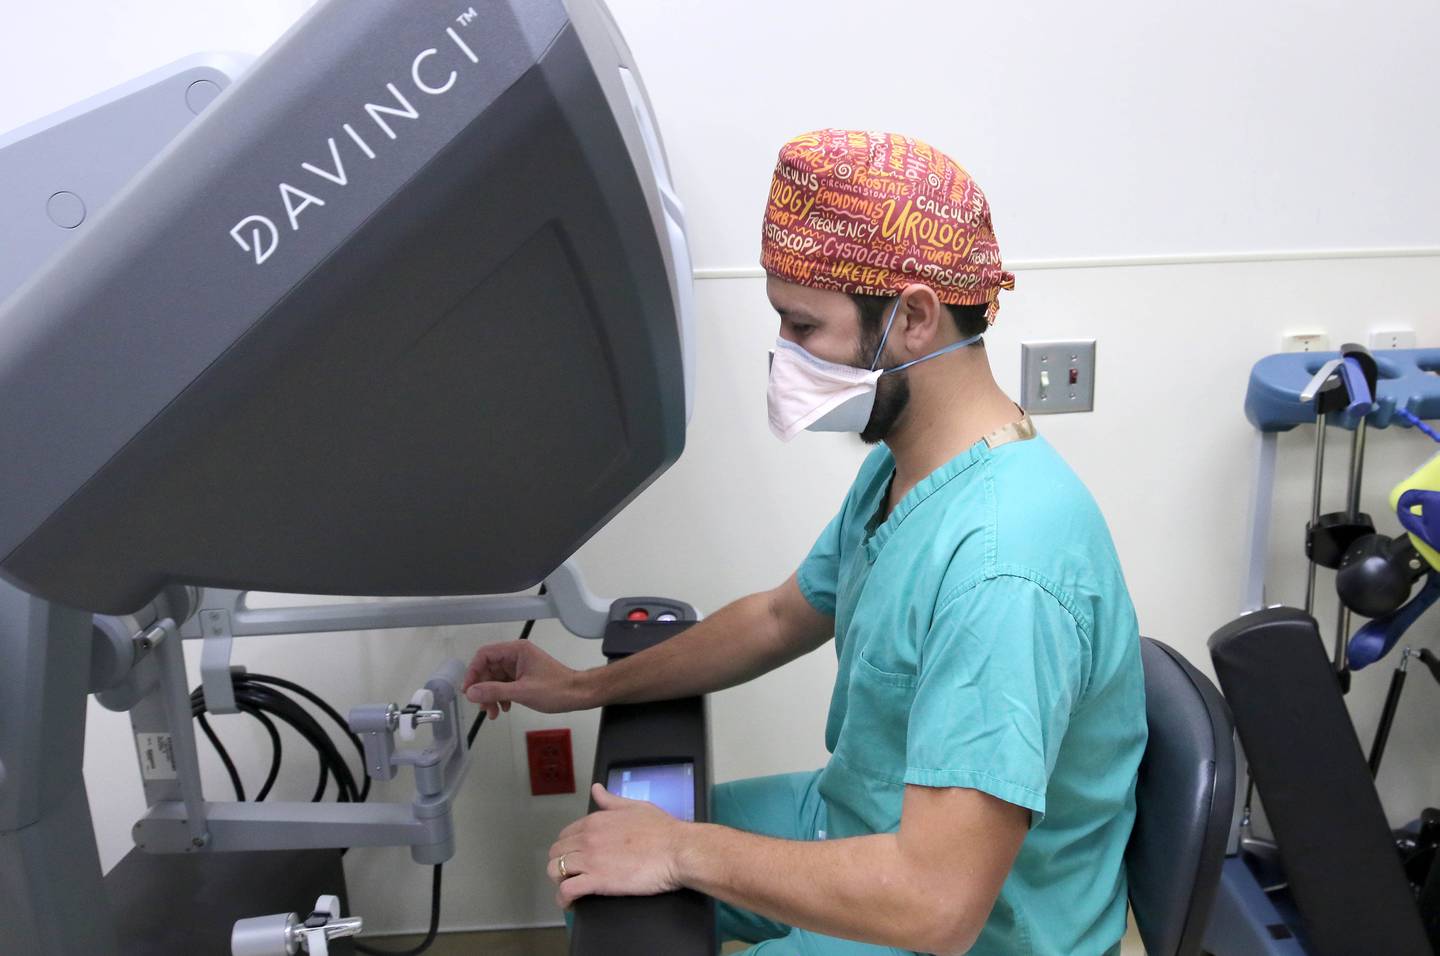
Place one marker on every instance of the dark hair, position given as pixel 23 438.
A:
pixel 969 319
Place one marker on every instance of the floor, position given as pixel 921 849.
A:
pixel 551 942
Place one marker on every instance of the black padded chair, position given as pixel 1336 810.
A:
pixel 1184 802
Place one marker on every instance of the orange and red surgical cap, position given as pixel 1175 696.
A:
pixel 870 213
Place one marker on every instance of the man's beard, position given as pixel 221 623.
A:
pixel 892 392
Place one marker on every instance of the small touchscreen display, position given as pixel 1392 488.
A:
pixel 670 786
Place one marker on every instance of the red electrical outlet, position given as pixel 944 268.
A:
pixel 552 765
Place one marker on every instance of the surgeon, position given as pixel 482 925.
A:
pixel 988 716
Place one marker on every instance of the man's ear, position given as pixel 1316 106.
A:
pixel 919 319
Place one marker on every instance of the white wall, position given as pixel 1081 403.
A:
pixel 1150 130
pixel 1096 129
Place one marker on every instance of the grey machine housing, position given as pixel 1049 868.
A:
pixel 406 311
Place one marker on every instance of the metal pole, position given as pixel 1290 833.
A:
pixel 1352 508
pixel 1262 495
pixel 1357 468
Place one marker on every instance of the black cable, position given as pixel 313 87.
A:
pixel 220 750
pixel 282 709
pixel 474 729
pixel 275 749
pixel 264 699
pixel 323 783
pixel 480 717
pixel 429 939
pixel 292 713
pixel 1430 661
pixel 256 696
pixel 329 711
pixel 224 757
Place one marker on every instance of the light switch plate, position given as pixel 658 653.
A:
pixel 1392 339
pixel 1057 377
pixel 1314 340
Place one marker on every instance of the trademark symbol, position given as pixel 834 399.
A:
pixel 467 18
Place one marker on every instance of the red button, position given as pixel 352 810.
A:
pixel 639 614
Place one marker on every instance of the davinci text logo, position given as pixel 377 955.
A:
pixel 260 236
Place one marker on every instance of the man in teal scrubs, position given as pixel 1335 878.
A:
pixel 988 717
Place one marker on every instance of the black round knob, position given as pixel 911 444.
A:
pixel 1375 578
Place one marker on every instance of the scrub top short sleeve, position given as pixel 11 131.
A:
pixel 819 574
pixel 1000 671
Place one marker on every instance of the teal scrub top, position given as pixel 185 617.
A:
pixel 986 640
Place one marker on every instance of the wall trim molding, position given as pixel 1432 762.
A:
pixel 1125 262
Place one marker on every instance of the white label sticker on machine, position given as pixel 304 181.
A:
pixel 157 756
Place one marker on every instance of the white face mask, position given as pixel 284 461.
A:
pixel 807 392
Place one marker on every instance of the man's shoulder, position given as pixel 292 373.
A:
pixel 1047 525
pixel 1035 491
pixel 1034 465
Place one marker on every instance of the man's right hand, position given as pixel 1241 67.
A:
pixel 520 672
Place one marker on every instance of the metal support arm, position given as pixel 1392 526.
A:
pixel 170 826
pixel 566 599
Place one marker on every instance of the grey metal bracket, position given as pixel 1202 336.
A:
pixel 436 704
pixel 215 661
pixel 581 613
pixel 1318 380
pixel 165 640
pixel 122 671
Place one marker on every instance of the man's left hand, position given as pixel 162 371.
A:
pixel 626 848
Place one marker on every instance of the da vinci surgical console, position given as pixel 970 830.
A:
pixel 403 309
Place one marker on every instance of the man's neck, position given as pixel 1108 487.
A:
pixel 946 415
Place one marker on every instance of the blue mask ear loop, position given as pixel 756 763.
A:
pixel 886 337
pixel 953 346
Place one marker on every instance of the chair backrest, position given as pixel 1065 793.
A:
pixel 1344 877
pixel 1184 801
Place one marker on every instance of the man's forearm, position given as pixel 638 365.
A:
pixel 858 888
pixel 737 643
